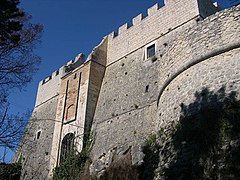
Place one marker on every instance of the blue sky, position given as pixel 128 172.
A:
pixel 72 27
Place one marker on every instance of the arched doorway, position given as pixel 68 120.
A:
pixel 67 146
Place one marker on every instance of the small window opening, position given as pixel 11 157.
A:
pixel 75 76
pixel 38 134
pixel 146 88
pixel 151 51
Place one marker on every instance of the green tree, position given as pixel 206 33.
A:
pixel 18 62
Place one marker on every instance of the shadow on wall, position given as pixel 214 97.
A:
pixel 205 143
pixel 121 168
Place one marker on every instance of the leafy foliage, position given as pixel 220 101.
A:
pixel 74 165
pixel 150 161
pixel 71 168
pixel 10 171
pixel 207 141
pixel 18 39
pixel 204 144
pixel 152 139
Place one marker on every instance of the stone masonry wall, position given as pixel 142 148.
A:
pixel 76 126
pixel 44 92
pixel 207 78
pixel 175 13
pixel 36 152
pixel 128 109
pixel 137 96
pixel 215 33
pixel 95 82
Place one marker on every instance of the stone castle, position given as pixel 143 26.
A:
pixel 132 84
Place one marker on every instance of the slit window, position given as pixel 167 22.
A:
pixel 38 134
pixel 151 51
pixel 146 88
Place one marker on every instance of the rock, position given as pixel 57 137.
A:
pixel 137 155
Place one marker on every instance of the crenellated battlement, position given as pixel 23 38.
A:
pixel 156 8
pixel 152 10
pixel 123 28
pixel 72 64
pixel 136 20
pixel 49 87
pixel 158 21
pixel 48 78
pixel 144 28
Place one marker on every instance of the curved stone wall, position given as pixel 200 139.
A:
pixel 222 71
pixel 139 96
pixel 206 56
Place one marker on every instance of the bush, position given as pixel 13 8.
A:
pixel 10 171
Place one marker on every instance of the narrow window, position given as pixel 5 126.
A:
pixel 38 134
pixel 150 51
pixel 146 88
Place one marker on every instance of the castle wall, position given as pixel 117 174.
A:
pixel 35 152
pixel 78 96
pixel 48 88
pixel 35 147
pixel 95 81
pixel 159 21
pixel 210 61
pixel 219 73
pixel 128 109
pixel 64 126
pixel 97 60
pixel 126 96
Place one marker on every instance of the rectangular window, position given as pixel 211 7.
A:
pixel 150 51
